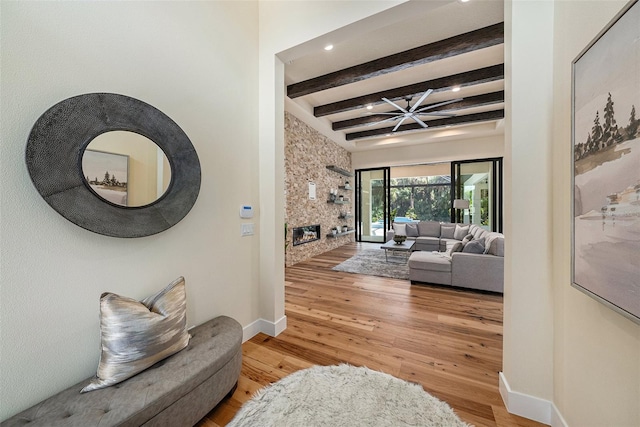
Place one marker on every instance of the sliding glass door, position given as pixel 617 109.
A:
pixel 478 193
pixel 372 204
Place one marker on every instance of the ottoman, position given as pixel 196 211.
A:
pixel 430 267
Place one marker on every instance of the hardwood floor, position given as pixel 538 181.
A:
pixel 447 340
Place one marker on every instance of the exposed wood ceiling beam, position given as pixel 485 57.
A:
pixel 469 78
pixel 469 102
pixel 470 118
pixel 456 45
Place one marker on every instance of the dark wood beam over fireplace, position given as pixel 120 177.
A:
pixel 456 45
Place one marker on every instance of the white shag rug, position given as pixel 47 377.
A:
pixel 344 395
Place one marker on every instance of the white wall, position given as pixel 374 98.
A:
pixel 432 152
pixel 287 26
pixel 596 351
pixel 198 63
pixel 568 360
pixel 528 317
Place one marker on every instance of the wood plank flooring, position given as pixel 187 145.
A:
pixel 447 340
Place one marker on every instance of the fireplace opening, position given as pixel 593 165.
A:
pixel 306 234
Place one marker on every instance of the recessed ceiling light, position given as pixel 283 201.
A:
pixel 328 47
pixel 369 107
pixel 455 89
pixel 388 134
pixel 464 1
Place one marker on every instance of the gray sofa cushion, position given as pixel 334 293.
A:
pixel 474 247
pixel 478 232
pixel 429 228
pixel 412 230
pixel 447 231
pixel 429 261
pixel 495 242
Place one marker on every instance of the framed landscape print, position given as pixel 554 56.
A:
pixel 107 174
pixel 606 165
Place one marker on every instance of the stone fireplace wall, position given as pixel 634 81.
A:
pixel 307 155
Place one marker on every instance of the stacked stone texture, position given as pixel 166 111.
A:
pixel 307 155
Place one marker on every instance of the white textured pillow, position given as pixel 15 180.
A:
pixel 460 232
pixel 400 229
pixel 137 334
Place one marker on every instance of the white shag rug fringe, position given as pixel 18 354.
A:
pixel 344 395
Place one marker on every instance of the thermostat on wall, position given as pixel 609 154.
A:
pixel 246 211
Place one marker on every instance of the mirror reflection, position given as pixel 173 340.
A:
pixel 126 168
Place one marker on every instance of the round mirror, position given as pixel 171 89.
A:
pixel 59 142
pixel 126 168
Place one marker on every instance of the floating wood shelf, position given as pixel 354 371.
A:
pixel 339 170
pixel 341 233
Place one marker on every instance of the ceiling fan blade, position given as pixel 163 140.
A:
pixel 390 119
pixel 387 114
pixel 420 122
pixel 440 104
pixel 422 98
pixel 394 104
pixel 398 125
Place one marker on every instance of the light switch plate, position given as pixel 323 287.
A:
pixel 246 229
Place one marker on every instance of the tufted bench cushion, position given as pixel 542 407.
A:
pixel 177 391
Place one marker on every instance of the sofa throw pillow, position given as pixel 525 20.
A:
pixel 474 247
pixel 447 231
pixel 412 230
pixel 400 229
pixel 137 334
pixel 429 228
pixel 467 239
pixel 460 231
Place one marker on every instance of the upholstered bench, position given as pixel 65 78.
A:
pixel 177 391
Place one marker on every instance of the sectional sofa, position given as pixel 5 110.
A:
pixel 460 255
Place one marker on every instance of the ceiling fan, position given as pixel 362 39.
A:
pixel 413 112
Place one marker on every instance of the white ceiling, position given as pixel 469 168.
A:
pixel 421 23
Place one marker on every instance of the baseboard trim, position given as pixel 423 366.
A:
pixel 531 407
pixel 261 325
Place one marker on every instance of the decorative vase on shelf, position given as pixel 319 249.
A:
pixel 399 239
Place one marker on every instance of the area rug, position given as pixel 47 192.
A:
pixel 373 263
pixel 344 395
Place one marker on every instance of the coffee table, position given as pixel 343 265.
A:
pixel 406 246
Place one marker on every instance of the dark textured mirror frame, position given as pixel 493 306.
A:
pixel 54 160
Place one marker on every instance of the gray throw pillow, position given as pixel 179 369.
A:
pixel 467 239
pixel 447 231
pixel 412 230
pixel 474 247
pixel 137 334
pixel 457 247
pixel 460 232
